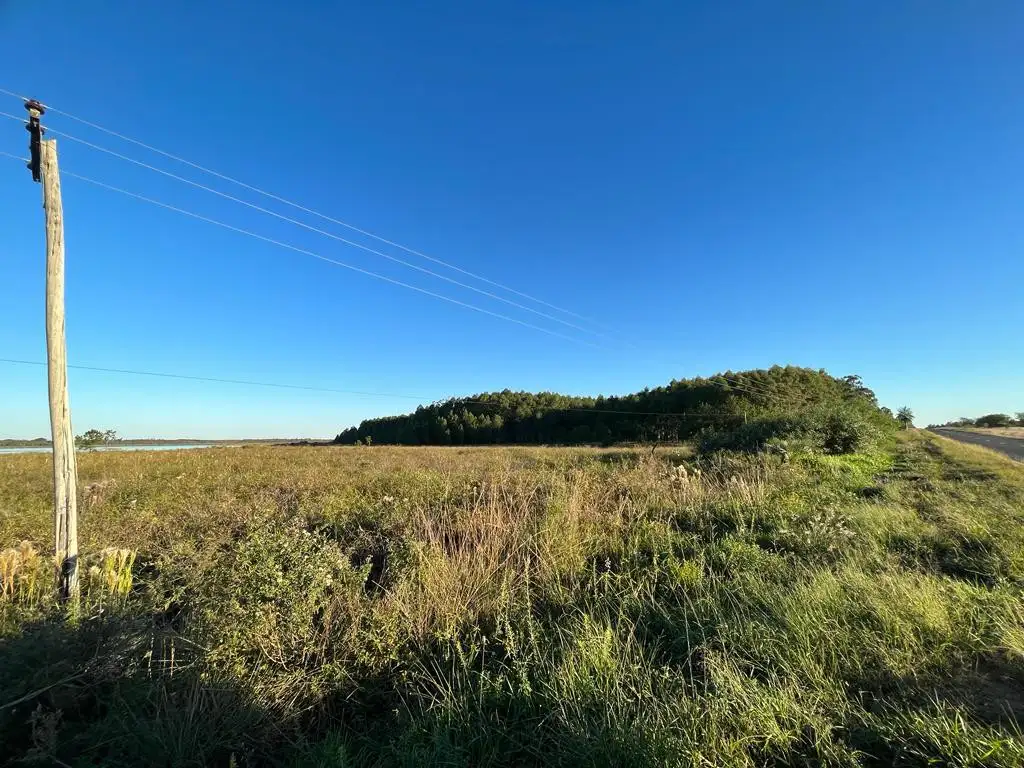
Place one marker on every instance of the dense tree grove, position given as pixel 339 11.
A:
pixel 681 410
pixel 994 420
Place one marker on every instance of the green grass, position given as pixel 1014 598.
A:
pixel 528 606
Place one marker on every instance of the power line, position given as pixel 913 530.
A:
pixel 245 382
pixel 751 388
pixel 317 230
pixel 315 255
pixel 421 398
pixel 310 211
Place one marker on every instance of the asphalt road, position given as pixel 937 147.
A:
pixel 1011 446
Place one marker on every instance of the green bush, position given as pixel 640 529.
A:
pixel 845 431
pixel 270 598
pixel 994 420
pixel 837 431
pixel 756 434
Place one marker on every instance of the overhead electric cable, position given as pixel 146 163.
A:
pixel 305 209
pixel 315 255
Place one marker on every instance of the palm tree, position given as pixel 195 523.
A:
pixel 905 417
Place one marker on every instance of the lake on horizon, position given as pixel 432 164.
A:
pixel 170 447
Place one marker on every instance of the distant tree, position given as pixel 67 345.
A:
pixel 994 420
pixel 94 438
pixel 856 386
pixel 662 430
pixel 905 417
pixel 1020 418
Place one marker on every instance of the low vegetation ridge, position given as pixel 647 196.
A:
pixel 752 402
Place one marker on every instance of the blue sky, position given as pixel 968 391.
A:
pixel 724 185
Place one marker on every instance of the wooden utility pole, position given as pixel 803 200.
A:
pixel 65 472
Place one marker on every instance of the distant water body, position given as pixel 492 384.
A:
pixel 168 447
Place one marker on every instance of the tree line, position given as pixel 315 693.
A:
pixel 988 420
pixel 678 411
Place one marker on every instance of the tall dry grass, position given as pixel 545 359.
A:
pixel 388 606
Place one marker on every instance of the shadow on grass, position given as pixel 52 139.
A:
pixel 116 690
pixel 494 728
pixel 990 691
pixel 120 690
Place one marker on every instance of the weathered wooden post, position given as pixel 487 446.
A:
pixel 43 164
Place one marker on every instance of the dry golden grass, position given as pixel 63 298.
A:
pixel 146 499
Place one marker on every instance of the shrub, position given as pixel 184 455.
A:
pixel 270 598
pixel 994 420
pixel 839 430
pixel 755 435
pixel 845 431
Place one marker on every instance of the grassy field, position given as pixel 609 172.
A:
pixel 492 606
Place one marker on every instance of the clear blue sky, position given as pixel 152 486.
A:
pixel 726 185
